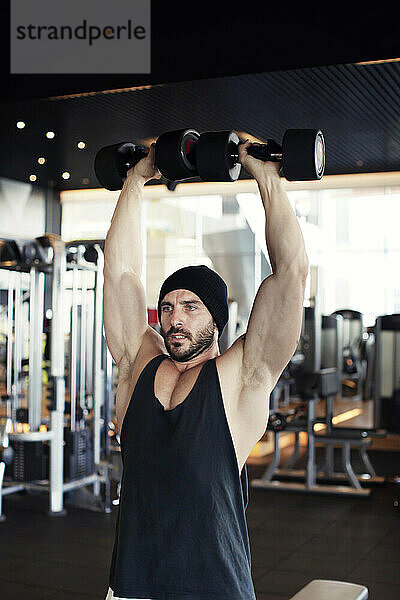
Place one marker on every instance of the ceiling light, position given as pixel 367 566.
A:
pixel 50 135
pixel 32 177
pixel 81 145
pixel 66 175
pixel 41 160
pixel 20 124
pixel 379 62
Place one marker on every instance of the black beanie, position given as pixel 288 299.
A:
pixel 206 284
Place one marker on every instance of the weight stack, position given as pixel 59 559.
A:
pixel 78 454
pixel 30 462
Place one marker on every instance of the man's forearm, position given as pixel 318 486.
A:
pixel 123 245
pixel 283 234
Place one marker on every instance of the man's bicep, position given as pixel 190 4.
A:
pixel 274 326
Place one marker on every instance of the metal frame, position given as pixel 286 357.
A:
pixel 90 317
pixel 310 343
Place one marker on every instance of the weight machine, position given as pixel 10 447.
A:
pixel 314 374
pixel 59 355
pixel 351 365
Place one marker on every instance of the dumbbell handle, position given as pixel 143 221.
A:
pixel 140 152
pixel 271 151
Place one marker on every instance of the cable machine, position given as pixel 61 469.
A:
pixel 55 397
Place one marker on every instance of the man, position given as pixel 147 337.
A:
pixel 188 416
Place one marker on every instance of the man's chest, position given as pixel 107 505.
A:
pixel 172 389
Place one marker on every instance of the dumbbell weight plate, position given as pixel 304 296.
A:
pixel 91 254
pixel 175 154
pixel 217 155
pixel 29 252
pixel 112 163
pixel 303 154
pixel 10 255
pixel 7 455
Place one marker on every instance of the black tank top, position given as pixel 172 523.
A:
pixel 181 531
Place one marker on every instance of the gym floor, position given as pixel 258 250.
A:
pixel 294 538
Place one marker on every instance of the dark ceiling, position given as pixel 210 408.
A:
pixel 260 73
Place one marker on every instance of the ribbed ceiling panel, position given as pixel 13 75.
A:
pixel 356 106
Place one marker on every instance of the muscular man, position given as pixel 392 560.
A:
pixel 189 416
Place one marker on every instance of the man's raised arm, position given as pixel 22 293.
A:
pixel 275 321
pixel 123 245
pixel 125 318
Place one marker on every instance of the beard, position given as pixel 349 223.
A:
pixel 192 346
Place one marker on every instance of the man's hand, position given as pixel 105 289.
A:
pixel 145 168
pixel 258 168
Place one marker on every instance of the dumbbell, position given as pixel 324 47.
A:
pixel 174 158
pixel 277 422
pixel 302 155
pixel 214 156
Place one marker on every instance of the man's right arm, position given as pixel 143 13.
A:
pixel 125 309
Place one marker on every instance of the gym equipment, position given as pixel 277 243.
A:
pixel 315 375
pixel 387 373
pixel 6 455
pixel 214 156
pixel 174 158
pixel 302 155
pixel 175 154
pixel 63 450
pixel 277 421
pixel 10 255
pixel 325 589
pixel 352 368
pixel 112 163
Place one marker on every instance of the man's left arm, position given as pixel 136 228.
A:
pixel 275 321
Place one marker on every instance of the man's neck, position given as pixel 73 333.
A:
pixel 211 352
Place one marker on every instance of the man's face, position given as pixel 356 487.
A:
pixel 184 314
